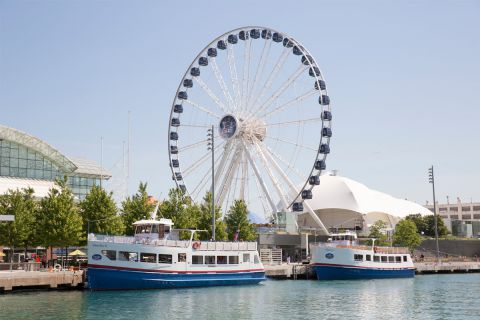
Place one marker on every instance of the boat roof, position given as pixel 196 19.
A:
pixel 167 222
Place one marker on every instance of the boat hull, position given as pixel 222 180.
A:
pixel 124 279
pixel 334 272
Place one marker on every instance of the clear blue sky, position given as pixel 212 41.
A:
pixel 403 77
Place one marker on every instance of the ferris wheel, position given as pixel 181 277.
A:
pixel 266 98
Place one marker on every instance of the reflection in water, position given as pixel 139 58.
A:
pixel 424 297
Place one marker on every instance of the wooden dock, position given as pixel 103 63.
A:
pixel 40 279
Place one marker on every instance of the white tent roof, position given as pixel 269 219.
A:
pixel 336 192
pixel 40 187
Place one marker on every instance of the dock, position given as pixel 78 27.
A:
pixel 14 280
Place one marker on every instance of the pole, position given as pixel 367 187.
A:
pixel 213 186
pixel 101 162
pixel 432 181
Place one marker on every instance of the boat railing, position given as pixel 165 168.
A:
pixel 203 245
pixel 384 250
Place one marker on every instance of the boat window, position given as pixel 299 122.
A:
pixel 209 259
pixel 255 259
pixel 148 257
pixel 197 259
pixel 110 254
pixel 405 258
pixel 165 258
pixel 358 257
pixel 376 258
pixel 182 257
pixel 398 259
pixel 127 256
pixel 233 260
pixel 146 229
pixel 155 228
pixel 384 258
pixel 221 259
pixel 391 259
pixel 368 257
pixel 246 257
pixel 138 229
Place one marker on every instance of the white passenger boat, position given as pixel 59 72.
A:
pixel 343 258
pixel 156 258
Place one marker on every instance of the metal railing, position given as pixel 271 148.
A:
pixel 20 266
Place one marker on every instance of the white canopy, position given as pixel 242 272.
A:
pixel 167 222
pixel 40 187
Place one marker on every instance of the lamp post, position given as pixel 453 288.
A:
pixel 211 146
pixel 431 179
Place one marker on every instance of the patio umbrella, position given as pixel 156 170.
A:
pixel 77 253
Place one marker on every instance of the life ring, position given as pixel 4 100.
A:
pixel 196 245
pixel 57 267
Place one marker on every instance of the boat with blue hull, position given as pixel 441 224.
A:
pixel 156 258
pixel 343 258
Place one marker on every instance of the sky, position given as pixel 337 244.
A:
pixel 403 78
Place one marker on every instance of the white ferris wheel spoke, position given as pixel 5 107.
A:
pixel 276 69
pixel 210 93
pixel 292 143
pixel 274 180
pixel 282 88
pixel 194 145
pixel 198 162
pixel 290 167
pixel 223 160
pixel 221 82
pixel 285 105
pixel 287 123
pixel 199 107
pixel 260 180
pixel 259 70
pixel 246 72
pixel 233 76
pixel 244 176
pixel 228 177
pixel 203 182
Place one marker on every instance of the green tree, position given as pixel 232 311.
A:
pixel 136 208
pixel 99 213
pixel 430 223
pixel 419 222
pixel 205 220
pixel 378 232
pixel 406 234
pixel 58 221
pixel 237 221
pixel 21 232
pixel 180 209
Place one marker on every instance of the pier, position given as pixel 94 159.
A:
pixel 15 280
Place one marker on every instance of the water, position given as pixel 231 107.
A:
pixel 424 297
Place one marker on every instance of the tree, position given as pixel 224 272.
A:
pixel 237 221
pixel 99 213
pixel 21 231
pixel 205 220
pixel 180 209
pixel 58 221
pixel 136 208
pixel 406 234
pixel 419 222
pixel 426 225
pixel 378 232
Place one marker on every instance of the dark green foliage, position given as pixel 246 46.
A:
pixel 426 225
pixel 378 232
pixel 237 221
pixel 205 221
pixel 100 210
pixel 58 221
pixel 136 208
pixel 406 234
pixel 21 232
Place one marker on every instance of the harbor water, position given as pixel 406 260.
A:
pixel 452 296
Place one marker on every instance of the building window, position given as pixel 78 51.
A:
pixel 442 209
pixel 182 257
pixel 233 260
pixel 454 216
pixel 197 259
pixel 455 209
pixel 209 259
pixel 476 216
pixel 466 216
pixel 127 256
pixel 465 209
pixel 110 254
pixel 476 208
pixel 358 257
pixel 165 258
pixel 148 257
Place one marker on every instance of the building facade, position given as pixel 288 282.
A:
pixel 26 161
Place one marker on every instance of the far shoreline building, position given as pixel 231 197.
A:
pixel 27 161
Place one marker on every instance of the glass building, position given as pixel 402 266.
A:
pixel 26 161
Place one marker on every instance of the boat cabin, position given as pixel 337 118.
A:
pixel 347 238
pixel 153 229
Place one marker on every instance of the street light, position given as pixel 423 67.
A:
pixel 431 179
pixel 211 147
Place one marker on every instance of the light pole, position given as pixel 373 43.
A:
pixel 211 146
pixel 431 179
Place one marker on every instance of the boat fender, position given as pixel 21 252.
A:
pixel 57 267
pixel 196 245
pixel 374 249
